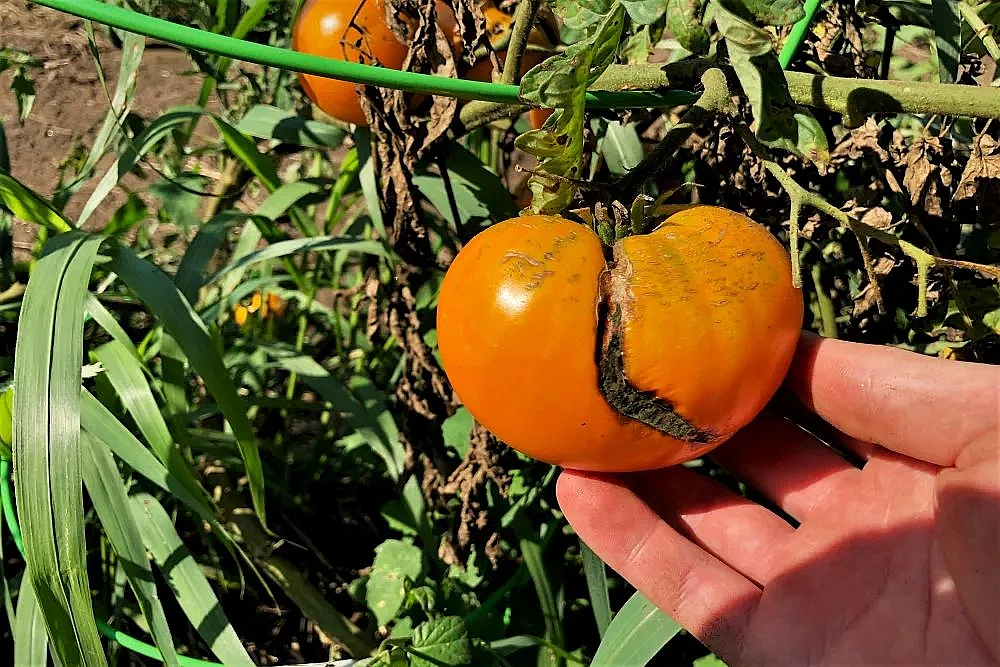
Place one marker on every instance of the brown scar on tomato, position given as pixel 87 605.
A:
pixel 630 402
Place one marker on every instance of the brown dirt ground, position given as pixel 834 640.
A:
pixel 71 102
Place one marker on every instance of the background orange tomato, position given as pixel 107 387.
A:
pixel 356 31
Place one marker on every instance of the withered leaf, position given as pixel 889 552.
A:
pixel 983 164
pixel 868 137
pixel 925 179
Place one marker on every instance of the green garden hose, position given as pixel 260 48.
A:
pixel 288 59
pixel 798 33
pixel 200 40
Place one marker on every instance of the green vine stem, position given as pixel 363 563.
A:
pixel 855 98
pixel 983 31
pixel 520 33
pixel 800 197
pixel 714 100
pixel 793 241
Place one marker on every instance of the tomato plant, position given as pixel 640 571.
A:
pixel 649 359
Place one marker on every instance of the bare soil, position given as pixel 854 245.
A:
pixel 71 102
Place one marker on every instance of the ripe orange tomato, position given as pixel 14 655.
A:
pixel 356 31
pixel 351 30
pixel 650 359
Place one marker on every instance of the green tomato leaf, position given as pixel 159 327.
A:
pixel 457 430
pixel 766 12
pixel 684 21
pixel 441 641
pixel 397 565
pixel 637 47
pixel 581 14
pixel 561 82
pixel 778 121
pixel 644 12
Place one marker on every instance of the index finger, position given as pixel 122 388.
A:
pixel 923 407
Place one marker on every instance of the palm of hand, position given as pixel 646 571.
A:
pixel 864 581
pixel 891 564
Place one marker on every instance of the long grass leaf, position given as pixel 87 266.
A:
pixel 108 322
pixel 269 122
pixel 636 634
pixel 294 246
pixel 47 476
pixel 25 204
pixel 371 419
pixel 187 581
pixel 947 38
pixel 129 381
pixel 127 376
pixel 107 491
pixel 100 422
pixel 159 293
pixel 369 184
pixel 246 150
pixel 31 646
pixel 190 274
pixel 147 139
pixel 131 50
pixel 597 585
pixel 531 550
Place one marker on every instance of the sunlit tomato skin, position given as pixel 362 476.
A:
pixel 351 30
pixel 537 117
pixel 704 313
pixel 356 31
pixel 711 318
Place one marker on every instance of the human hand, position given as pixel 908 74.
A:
pixel 896 563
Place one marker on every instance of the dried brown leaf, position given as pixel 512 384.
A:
pixel 980 179
pixel 925 179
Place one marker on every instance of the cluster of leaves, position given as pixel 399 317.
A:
pixel 263 422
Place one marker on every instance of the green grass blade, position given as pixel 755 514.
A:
pixel 637 633
pixel 371 419
pixel 108 322
pixel 28 206
pixel 268 122
pixel 190 274
pixel 126 375
pixel 597 586
pixel 531 550
pixel 131 51
pixel 187 581
pixel 947 38
pixel 107 491
pixel 369 184
pixel 47 476
pixel 129 381
pixel 294 246
pixel 160 294
pixel 147 139
pixel 246 150
pixel 31 646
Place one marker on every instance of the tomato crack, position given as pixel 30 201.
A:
pixel 630 402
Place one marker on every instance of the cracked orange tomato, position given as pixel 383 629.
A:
pixel 640 356
pixel 356 31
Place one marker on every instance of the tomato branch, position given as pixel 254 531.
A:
pixel 855 98
pixel 715 99
pixel 800 198
pixel 524 23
